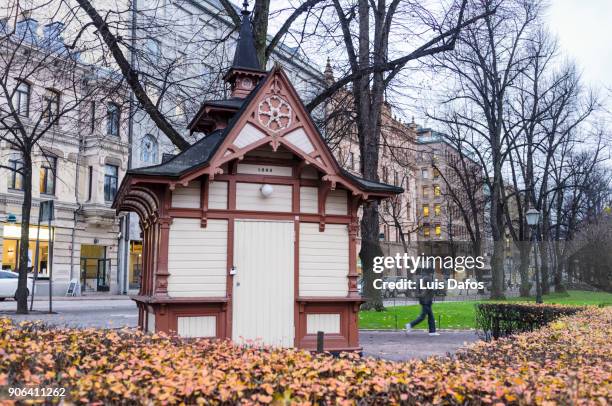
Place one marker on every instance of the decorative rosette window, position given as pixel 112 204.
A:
pixel 274 113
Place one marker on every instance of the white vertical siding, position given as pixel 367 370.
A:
pixel 263 299
pixel 271 170
pixel 248 135
pixel 327 323
pixel 217 195
pixel 324 261
pixel 197 326
pixel 309 199
pixel 187 197
pixel 336 202
pixel 150 322
pixel 197 258
pixel 248 197
pixel 300 140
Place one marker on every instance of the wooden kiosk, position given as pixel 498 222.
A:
pixel 250 234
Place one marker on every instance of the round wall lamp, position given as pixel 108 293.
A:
pixel 266 190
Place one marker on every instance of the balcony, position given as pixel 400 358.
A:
pixel 98 214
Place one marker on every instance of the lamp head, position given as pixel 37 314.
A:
pixel 266 190
pixel 532 217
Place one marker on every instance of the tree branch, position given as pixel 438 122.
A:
pixel 231 12
pixel 424 50
pixel 131 76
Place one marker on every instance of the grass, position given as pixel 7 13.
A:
pixel 460 315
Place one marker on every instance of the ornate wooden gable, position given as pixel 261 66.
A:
pixel 275 115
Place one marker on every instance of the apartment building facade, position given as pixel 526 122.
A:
pixel 77 163
pixel 449 181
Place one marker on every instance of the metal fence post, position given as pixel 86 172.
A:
pixel 320 341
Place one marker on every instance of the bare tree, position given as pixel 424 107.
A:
pixel 488 58
pixel 365 29
pixel 43 88
pixel 547 108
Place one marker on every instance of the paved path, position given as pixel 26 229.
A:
pixel 399 346
pixel 79 313
pixel 121 312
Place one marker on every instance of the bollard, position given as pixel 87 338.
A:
pixel 320 340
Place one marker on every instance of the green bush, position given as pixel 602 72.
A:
pixel 497 320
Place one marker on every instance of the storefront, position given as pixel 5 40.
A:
pixel 11 240
pixel 135 265
pixel 95 269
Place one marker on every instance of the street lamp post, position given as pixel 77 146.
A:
pixel 533 217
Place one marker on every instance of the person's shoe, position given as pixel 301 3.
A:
pixel 407 328
pixel 434 334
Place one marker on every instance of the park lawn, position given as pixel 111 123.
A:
pixel 460 315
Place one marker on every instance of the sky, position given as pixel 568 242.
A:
pixel 584 30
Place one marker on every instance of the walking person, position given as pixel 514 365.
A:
pixel 426 301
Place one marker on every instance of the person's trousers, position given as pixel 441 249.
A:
pixel 426 312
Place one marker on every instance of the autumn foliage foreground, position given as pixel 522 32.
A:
pixel 567 362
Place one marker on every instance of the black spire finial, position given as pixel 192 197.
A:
pixel 246 56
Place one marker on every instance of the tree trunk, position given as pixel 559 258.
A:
pixel 368 148
pixel 559 266
pixel 370 248
pixel 261 10
pixel 497 231
pixel 559 253
pixel 524 252
pixel 26 208
pixel 544 268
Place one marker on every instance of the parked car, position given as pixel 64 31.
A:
pixel 8 284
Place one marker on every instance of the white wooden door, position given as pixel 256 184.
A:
pixel 263 286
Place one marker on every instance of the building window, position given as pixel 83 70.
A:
pixel 437 209
pixel 426 230
pixel 112 117
pixel 111 179
pixel 90 184
pixel 22 99
pixel 148 149
pixel 395 178
pixel 47 175
pixel 425 192
pixel 92 117
pixel 424 173
pixel 11 244
pixel 425 210
pixel 436 173
pixel 385 172
pixel 438 230
pixel 437 190
pixel 16 180
pixel 153 48
pixel 51 101
pixel 351 160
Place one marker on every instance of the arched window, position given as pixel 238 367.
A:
pixel 148 149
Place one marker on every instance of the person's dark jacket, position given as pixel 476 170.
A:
pixel 426 295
